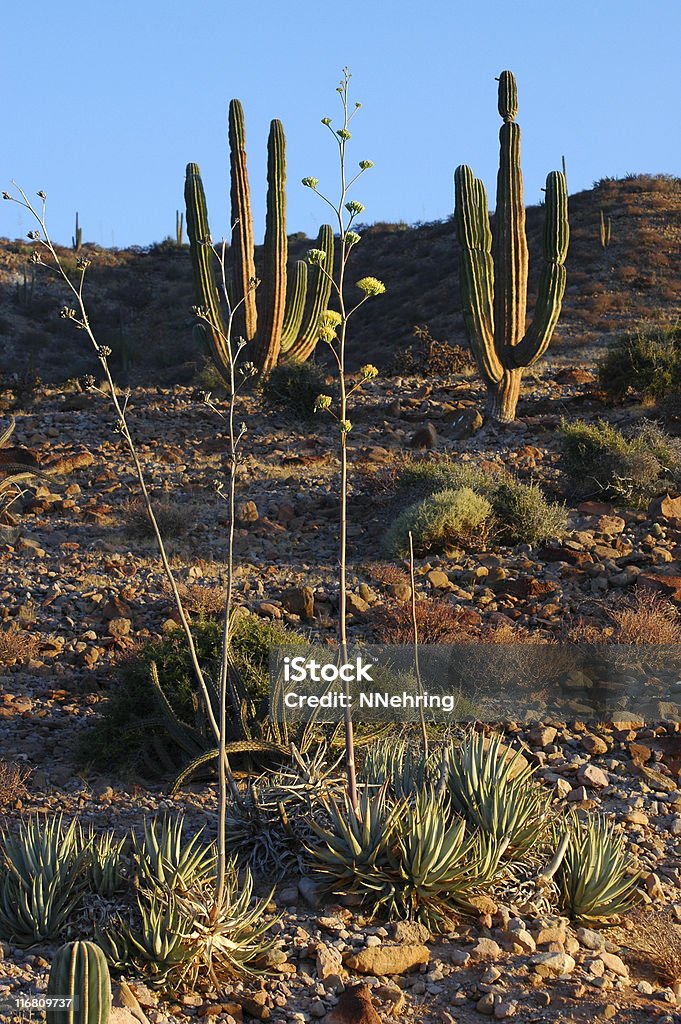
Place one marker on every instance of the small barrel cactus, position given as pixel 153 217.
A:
pixel 80 971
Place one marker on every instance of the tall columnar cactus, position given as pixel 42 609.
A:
pixel 205 284
pixel 273 287
pixel 493 273
pixel 281 320
pixel 79 971
pixel 77 238
pixel 243 261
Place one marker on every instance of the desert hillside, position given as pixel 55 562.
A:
pixel 141 299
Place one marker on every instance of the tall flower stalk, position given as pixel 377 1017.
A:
pixel 77 314
pixel 333 327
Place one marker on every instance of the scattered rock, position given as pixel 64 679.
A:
pixel 299 601
pixel 552 965
pixel 424 437
pixel 380 960
pixel 354 1007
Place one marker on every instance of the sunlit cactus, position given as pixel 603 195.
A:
pixel 281 319
pixel 80 973
pixel 493 268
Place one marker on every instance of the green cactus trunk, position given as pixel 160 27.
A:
pixel 493 275
pixel 243 260
pixel 80 972
pixel 303 344
pixel 283 318
pixel 205 284
pixel 273 288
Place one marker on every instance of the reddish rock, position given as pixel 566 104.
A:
pixel 354 1007
pixel 670 586
pixel 665 508
pixel 425 437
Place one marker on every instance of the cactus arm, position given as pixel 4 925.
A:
pixel 318 295
pixel 296 291
pixel 510 243
pixel 553 274
pixel 275 252
pixel 202 265
pixel 243 259
pixel 476 273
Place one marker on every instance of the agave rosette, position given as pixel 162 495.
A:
pixel 41 879
pixel 595 876
pixel 493 789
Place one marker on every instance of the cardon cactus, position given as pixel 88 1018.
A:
pixel 281 320
pixel 80 971
pixel 493 272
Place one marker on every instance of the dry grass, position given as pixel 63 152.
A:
pixel 17 646
pixel 438 623
pixel 204 600
pixel 647 618
pixel 13 779
pixel 173 519
pixel 388 575
pixel 657 936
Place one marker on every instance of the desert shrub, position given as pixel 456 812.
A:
pixel 523 515
pixel 122 733
pixel 173 519
pixel 295 387
pixel 520 512
pixel 657 935
pixel 438 622
pixel 647 618
pixel 13 778
pixel 424 477
pixel 17 646
pixel 429 356
pixel 647 362
pixel 631 469
pixel 446 518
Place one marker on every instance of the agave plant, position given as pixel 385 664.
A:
pixel 351 854
pixel 166 859
pixel 395 764
pixel 105 860
pixel 494 791
pixel 595 877
pixel 435 863
pixel 176 938
pixel 42 878
pixel 161 945
pixel 231 938
pixel 17 466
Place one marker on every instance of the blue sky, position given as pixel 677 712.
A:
pixel 104 104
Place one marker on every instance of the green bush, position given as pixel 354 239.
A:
pixel 643 362
pixel 439 521
pixel 295 387
pixel 121 736
pixel 631 469
pixel 520 512
pixel 523 515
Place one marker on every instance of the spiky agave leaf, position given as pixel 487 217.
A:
pixel 105 860
pixel 231 938
pixel 163 944
pixel 395 764
pixel 351 854
pixel 165 858
pixel 41 879
pixel 595 877
pixel 437 865
pixel 494 791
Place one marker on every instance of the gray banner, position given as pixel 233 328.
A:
pixel 478 682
